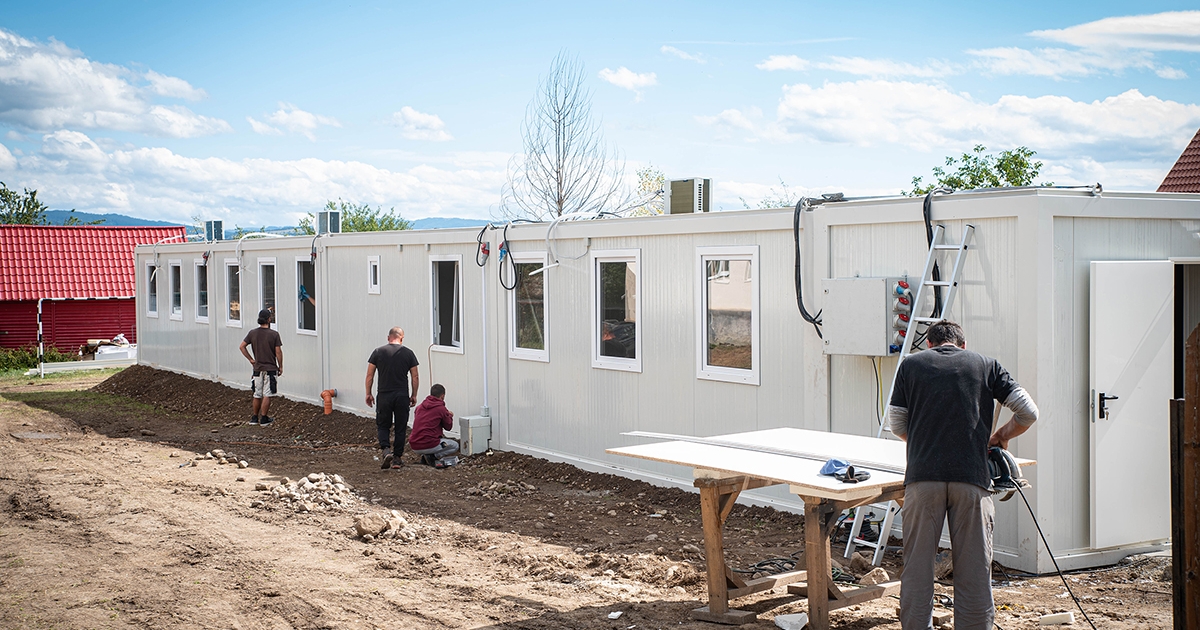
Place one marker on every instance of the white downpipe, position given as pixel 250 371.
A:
pixel 484 411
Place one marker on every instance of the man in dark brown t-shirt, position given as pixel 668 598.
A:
pixel 267 365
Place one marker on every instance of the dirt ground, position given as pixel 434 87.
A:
pixel 115 523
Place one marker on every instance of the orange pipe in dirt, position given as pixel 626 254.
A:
pixel 328 396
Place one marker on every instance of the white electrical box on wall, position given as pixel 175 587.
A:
pixel 862 316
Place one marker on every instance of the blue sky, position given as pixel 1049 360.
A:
pixel 257 113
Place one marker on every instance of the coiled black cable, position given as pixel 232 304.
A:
pixel 815 320
pixel 505 252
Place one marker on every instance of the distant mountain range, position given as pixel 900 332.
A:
pixel 58 217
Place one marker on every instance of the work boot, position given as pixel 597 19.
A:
pixel 387 460
pixel 265 421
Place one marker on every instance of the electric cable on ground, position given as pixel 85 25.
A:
pixel 1052 559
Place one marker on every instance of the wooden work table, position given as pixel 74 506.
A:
pixel 722 472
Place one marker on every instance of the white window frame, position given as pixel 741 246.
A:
pixel 615 256
pixel 720 373
pixel 375 280
pixel 151 277
pixel 171 266
pixel 262 262
pixel 232 323
pixel 196 265
pixel 433 304
pixel 300 307
pixel 530 354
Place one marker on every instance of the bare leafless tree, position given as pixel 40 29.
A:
pixel 566 166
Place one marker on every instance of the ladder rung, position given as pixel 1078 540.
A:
pixel 937 283
pixel 863 542
pixel 927 320
pixel 946 246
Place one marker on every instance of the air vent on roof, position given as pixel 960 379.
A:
pixel 329 222
pixel 688 195
pixel 214 231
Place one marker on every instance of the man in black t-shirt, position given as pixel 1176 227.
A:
pixel 394 362
pixel 266 365
pixel 942 407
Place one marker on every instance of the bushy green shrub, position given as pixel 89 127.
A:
pixel 26 358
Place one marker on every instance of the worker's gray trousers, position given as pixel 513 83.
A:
pixel 927 505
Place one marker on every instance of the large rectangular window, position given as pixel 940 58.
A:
pixel 266 288
pixel 528 332
pixel 176 285
pixel 728 348
pixel 306 286
pixel 446 288
pixel 233 294
pixel 616 285
pixel 201 291
pixel 151 289
pixel 373 281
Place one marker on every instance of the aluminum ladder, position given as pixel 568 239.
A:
pixel 937 246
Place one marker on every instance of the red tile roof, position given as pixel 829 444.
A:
pixel 43 261
pixel 1185 175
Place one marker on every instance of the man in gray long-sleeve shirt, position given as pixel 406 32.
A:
pixel 942 406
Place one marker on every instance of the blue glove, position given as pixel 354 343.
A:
pixel 303 293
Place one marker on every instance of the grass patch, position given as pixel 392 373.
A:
pixel 9 378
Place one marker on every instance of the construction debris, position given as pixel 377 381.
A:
pixel 497 489
pixel 378 525
pixel 313 493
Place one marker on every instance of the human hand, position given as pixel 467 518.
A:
pixel 412 400
pixel 280 374
pixel 370 400
pixel 996 440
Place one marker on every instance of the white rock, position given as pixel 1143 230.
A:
pixel 1057 619
pixel 792 622
pixel 314 477
pixel 651 537
pixel 614 615
pixel 262 485
pixel 241 478
pixel 243 464
pixel 208 455
pixel 691 549
pixel 876 576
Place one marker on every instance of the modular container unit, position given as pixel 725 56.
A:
pixel 689 324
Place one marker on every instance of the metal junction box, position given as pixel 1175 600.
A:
pixel 474 434
pixel 859 317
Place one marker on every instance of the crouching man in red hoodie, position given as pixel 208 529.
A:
pixel 426 440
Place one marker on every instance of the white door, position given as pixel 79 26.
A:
pixel 1132 332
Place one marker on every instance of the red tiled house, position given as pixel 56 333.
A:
pixel 50 261
pixel 1185 175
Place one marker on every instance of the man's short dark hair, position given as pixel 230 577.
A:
pixel 437 391
pixel 264 316
pixel 946 331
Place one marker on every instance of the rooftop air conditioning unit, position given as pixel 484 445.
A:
pixel 329 222
pixel 214 231
pixel 686 196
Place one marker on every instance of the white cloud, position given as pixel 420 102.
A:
pixel 783 62
pixel 628 79
pixel 71 170
pixel 731 118
pixel 885 67
pixel 1173 30
pixel 416 125
pixel 45 87
pixel 1128 126
pixel 7 161
pixel 293 119
pixel 173 87
pixel 671 50
pixel 1060 62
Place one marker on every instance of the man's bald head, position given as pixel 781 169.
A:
pixel 396 333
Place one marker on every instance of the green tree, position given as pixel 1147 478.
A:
pixel 982 170
pixel 21 209
pixel 358 218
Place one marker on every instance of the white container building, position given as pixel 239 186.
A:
pixel 1076 293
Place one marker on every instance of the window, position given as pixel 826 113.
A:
pixel 727 283
pixel 446 286
pixel 201 291
pixel 151 289
pixel 306 281
pixel 233 294
pixel 176 280
pixel 616 285
pixel 266 288
pixel 527 329
pixel 373 275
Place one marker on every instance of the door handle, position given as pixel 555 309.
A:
pixel 1102 413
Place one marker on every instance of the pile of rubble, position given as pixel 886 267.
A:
pixel 379 525
pixel 222 457
pixel 314 493
pixel 497 489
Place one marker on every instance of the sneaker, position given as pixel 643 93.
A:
pixel 387 460
pixel 397 464
pixel 253 421
pixel 265 420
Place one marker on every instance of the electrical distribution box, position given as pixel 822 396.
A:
pixel 866 316
pixel 475 432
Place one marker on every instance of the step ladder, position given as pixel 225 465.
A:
pixel 930 280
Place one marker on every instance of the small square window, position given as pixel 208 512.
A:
pixel 306 281
pixel 151 289
pixel 201 291
pixel 727 324
pixel 176 288
pixel 233 294
pixel 446 302
pixel 373 275
pixel 616 308
pixel 528 326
